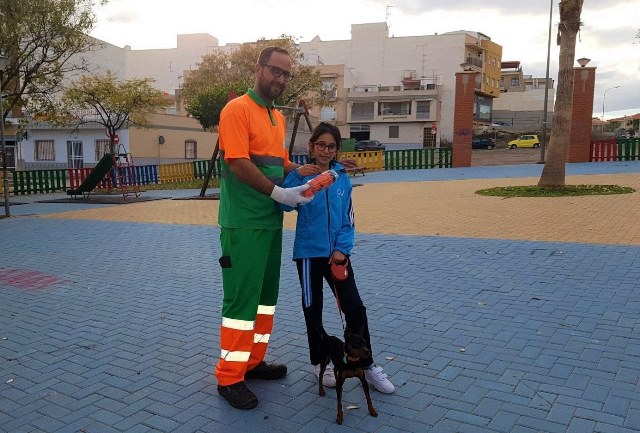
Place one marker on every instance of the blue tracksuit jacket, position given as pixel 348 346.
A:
pixel 326 223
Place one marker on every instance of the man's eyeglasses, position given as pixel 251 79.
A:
pixel 321 145
pixel 277 72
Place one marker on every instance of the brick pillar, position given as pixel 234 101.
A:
pixel 463 118
pixel 580 135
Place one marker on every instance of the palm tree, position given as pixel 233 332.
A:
pixel 553 173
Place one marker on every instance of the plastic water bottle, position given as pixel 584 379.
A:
pixel 322 181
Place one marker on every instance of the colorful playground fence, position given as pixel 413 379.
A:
pixel 624 149
pixel 46 181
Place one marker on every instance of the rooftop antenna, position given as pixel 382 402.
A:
pixel 387 14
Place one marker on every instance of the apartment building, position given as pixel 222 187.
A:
pixel 400 90
pixel 520 108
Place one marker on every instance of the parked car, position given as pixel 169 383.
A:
pixel 524 141
pixel 368 145
pixel 483 143
pixel 622 133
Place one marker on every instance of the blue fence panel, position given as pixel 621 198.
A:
pixel 299 159
pixel 147 174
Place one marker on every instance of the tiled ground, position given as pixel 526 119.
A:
pixel 111 326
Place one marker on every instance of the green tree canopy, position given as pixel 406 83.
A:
pixel 221 72
pixel 42 40
pixel 206 105
pixel 103 100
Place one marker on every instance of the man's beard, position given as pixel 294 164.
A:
pixel 271 91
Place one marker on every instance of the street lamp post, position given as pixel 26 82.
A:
pixel 604 97
pixel 543 139
pixel 4 62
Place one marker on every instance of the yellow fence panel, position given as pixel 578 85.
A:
pixel 370 160
pixel 176 172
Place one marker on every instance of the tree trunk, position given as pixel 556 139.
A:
pixel 553 173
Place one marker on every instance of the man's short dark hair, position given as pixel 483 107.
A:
pixel 265 54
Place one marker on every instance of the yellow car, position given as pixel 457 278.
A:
pixel 525 141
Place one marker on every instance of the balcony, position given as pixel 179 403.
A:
pixel 474 62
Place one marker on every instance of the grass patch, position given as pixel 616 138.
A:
pixel 567 191
pixel 187 184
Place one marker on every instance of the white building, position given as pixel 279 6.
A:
pixel 520 108
pixel 398 88
pixel 394 89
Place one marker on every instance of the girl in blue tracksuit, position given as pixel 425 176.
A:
pixel 325 234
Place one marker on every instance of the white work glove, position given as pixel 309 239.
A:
pixel 290 196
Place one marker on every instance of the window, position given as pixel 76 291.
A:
pixel 423 110
pixel 329 88
pixel 360 128
pixel 362 111
pixel 394 131
pixel 428 138
pixel 402 108
pixel 102 148
pixel 190 149
pixel 44 150
pixel 515 81
pixel 327 114
pixel 74 154
pixel 482 108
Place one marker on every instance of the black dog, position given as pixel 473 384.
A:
pixel 346 359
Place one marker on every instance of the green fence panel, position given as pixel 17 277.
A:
pixel 413 159
pixel 201 168
pixel 348 145
pixel 39 181
pixel 628 149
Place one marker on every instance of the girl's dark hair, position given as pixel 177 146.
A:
pixel 324 128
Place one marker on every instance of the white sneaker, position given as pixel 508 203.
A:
pixel 328 378
pixel 378 379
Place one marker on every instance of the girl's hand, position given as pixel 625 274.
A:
pixel 337 257
pixel 308 170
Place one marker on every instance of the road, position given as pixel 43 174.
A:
pixel 504 156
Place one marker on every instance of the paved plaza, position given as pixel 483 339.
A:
pixel 489 315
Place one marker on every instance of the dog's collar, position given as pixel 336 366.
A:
pixel 346 358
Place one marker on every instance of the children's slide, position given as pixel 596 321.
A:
pixel 96 175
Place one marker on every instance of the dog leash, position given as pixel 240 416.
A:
pixel 335 292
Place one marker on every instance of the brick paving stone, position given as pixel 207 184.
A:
pixel 482 327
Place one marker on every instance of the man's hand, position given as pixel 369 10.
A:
pixel 290 196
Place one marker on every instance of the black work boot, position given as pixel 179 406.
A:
pixel 238 395
pixel 267 371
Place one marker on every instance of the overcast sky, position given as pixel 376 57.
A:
pixel 521 27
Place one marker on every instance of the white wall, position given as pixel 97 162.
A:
pixel 530 100
pixel 60 137
pixel 376 59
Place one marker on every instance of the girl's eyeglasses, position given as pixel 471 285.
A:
pixel 321 145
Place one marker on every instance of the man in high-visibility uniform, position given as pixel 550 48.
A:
pixel 255 161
